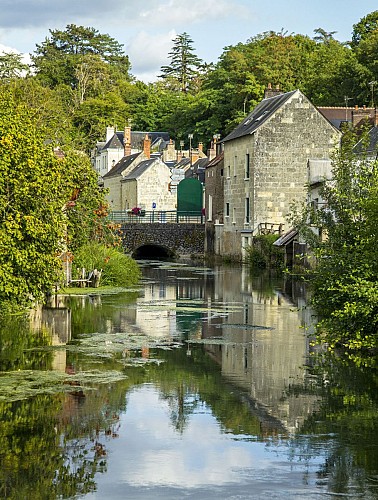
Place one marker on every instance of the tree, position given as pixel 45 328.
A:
pixel 11 66
pixel 56 59
pixel 345 280
pixel 35 186
pixel 184 66
pixel 364 28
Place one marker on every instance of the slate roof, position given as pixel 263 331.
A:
pixel 286 238
pixel 139 169
pixel 122 165
pixel 114 143
pixel 184 162
pixel 201 163
pixel 216 160
pixel 137 138
pixel 264 110
pixel 371 147
pixel 336 115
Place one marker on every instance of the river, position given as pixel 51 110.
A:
pixel 201 383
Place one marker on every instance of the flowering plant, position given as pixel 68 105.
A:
pixel 136 211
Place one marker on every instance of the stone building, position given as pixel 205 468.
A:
pixel 139 180
pixel 112 181
pixel 266 166
pixel 214 201
pixel 118 144
pixel 147 186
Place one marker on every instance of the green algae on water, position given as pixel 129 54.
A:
pixel 23 384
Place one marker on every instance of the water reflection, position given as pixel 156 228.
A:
pixel 223 397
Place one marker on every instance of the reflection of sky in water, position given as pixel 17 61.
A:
pixel 151 454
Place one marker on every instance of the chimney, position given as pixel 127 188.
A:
pixel 147 146
pixel 270 92
pixel 361 116
pixel 212 151
pixel 127 141
pixel 109 133
pixel 200 146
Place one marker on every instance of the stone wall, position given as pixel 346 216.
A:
pixel 114 194
pixel 181 239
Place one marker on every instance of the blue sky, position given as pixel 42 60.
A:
pixel 146 28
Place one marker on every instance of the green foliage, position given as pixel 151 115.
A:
pixel 118 269
pixel 57 60
pixel 365 27
pixel 263 254
pixel 11 66
pixel 32 194
pixel 46 203
pixel 345 281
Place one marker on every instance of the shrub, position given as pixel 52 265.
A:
pixel 263 254
pixel 118 269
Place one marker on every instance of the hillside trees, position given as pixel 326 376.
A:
pixel 56 59
pixel 86 70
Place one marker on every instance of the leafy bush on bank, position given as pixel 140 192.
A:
pixel 118 269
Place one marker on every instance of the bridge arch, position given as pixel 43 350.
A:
pixel 175 239
pixel 152 251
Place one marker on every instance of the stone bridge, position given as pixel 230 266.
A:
pixel 159 240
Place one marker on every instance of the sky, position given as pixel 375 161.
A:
pixel 146 28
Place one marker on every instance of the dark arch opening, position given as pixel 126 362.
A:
pixel 153 252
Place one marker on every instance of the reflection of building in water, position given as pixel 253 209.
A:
pixel 54 319
pixel 153 320
pixel 265 346
pixel 158 311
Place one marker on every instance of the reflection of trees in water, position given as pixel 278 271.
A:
pixel 344 431
pixel 52 446
pixel 17 342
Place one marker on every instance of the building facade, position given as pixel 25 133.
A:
pixel 266 166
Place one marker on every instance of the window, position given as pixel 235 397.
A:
pixel 228 171
pixel 227 210
pixel 210 208
pixel 221 172
pixel 235 163
pixel 234 215
pixel 247 166
pixel 247 210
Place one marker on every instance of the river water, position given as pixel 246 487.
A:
pixel 201 383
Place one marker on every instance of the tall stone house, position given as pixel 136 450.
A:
pixel 214 201
pixel 266 166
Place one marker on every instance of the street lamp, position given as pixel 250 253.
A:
pixel 190 137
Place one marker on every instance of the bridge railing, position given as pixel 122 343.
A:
pixel 156 216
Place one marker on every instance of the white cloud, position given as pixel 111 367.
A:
pixel 4 49
pixel 182 12
pixel 148 52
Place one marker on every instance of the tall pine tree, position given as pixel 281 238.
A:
pixel 185 64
